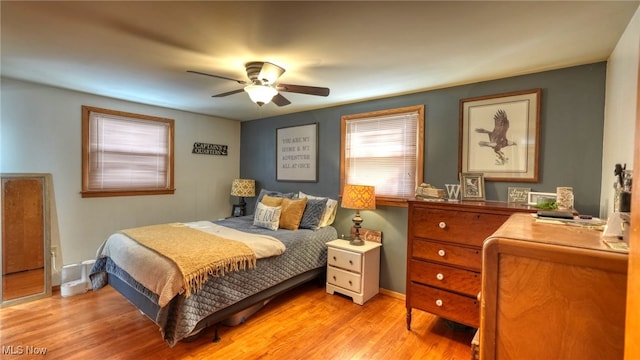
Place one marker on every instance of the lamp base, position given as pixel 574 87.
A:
pixel 357 220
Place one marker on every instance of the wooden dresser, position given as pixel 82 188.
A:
pixel 444 255
pixel 551 292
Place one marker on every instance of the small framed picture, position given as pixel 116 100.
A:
pixel 238 210
pixel 472 186
pixel 518 195
pixel 536 198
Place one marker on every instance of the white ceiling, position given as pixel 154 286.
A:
pixel 140 51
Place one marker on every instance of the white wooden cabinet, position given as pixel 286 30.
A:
pixel 353 270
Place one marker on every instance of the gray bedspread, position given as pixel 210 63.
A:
pixel 305 250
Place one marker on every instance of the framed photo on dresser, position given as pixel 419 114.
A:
pixel 472 186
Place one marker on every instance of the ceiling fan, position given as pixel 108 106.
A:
pixel 262 87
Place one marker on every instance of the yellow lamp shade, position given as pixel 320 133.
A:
pixel 360 197
pixel 243 187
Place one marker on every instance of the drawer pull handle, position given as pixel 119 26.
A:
pixel 441 253
pixel 350 262
pixel 440 276
pixel 439 302
pixel 442 225
pixel 350 283
pixel 334 258
pixel 334 277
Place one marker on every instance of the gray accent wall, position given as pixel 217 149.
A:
pixel 572 120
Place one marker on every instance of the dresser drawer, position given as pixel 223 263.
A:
pixel 344 279
pixel 445 277
pixel 344 259
pixel 463 227
pixel 447 254
pixel 448 305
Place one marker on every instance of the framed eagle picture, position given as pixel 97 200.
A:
pixel 500 136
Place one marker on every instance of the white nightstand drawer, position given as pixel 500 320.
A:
pixel 344 279
pixel 345 259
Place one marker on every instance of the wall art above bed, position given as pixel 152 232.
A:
pixel 297 153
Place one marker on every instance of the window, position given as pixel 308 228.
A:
pixel 384 149
pixel 125 154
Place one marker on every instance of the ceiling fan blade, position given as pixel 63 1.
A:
pixel 280 100
pixel 217 76
pixel 270 73
pixel 302 89
pixel 228 93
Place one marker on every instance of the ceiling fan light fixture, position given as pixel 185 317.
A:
pixel 260 94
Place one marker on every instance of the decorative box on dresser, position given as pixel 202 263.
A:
pixel 353 270
pixel 444 255
pixel 551 292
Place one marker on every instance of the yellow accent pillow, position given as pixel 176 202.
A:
pixel 292 210
pixel 271 200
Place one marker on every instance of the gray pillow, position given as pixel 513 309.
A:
pixel 313 213
pixel 264 192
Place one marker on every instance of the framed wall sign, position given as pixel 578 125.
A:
pixel 297 153
pixel 500 136
pixel 518 195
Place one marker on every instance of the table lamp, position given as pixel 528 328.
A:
pixel 358 197
pixel 242 188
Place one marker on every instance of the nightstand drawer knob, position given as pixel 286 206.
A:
pixel 438 302
pixel 350 283
pixel 440 276
pixel 334 277
pixel 350 262
pixel 441 253
pixel 442 225
pixel 334 258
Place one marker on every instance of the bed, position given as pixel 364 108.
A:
pixel 220 297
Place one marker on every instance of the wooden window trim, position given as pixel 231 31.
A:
pixel 381 200
pixel 86 192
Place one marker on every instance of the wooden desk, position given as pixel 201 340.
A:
pixel 551 292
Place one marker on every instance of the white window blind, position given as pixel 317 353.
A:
pixel 383 151
pixel 128 154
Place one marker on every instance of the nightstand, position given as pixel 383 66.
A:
pixel 353 270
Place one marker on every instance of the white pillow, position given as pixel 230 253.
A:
pixel 267 217
pixel 329 215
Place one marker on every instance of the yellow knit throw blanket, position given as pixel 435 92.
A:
pixel 197 254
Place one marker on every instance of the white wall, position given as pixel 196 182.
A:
pixel 40 132
pixel 620 110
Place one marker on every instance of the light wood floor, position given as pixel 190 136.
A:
pixel 306 323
